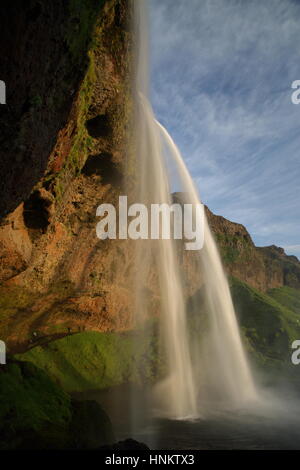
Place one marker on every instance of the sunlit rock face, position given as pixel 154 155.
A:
pixel 261 267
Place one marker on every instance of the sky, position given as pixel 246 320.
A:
pixel 221 75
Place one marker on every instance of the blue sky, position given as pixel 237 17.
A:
pixel 221 74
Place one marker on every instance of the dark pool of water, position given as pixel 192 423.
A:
pixel 275 424
pixel 222 432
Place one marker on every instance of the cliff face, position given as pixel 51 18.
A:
pixel 71 139
pixel 261 267
pixel 44 58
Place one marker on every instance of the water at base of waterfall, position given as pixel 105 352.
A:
pixel 273 425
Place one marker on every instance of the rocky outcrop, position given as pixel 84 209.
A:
pixel 261 267
pixel 288 267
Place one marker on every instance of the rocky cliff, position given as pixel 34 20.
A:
pixel 261 267
pixel 64 144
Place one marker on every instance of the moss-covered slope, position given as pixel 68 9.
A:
pixel 36 413
pixel 92 360
pixel 270 322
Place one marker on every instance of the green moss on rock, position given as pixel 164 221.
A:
pixel 34 411
pixel 92 360
pixel 83 15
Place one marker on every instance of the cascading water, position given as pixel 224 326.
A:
pixel 216 365
pixel 223 360
pixel 154 188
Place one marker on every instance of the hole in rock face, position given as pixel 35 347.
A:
pixel 118 15
pixel 121 16
pixel 103 165
pixel 37 211
pixel 99 126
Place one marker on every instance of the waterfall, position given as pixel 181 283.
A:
pixel 199 370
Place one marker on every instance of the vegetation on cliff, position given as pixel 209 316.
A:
pixel 36 413
pixel 31 407
pixel 263 268
pixel 95 361
pixel 270 323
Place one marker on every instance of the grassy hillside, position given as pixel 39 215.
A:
pixel 270 323
pixel 93 360
pixel 287 297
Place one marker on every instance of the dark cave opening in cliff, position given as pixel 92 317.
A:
pixel 99 126
pixel 104 166
pixel 36 212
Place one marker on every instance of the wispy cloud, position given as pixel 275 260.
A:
pixel 221 74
